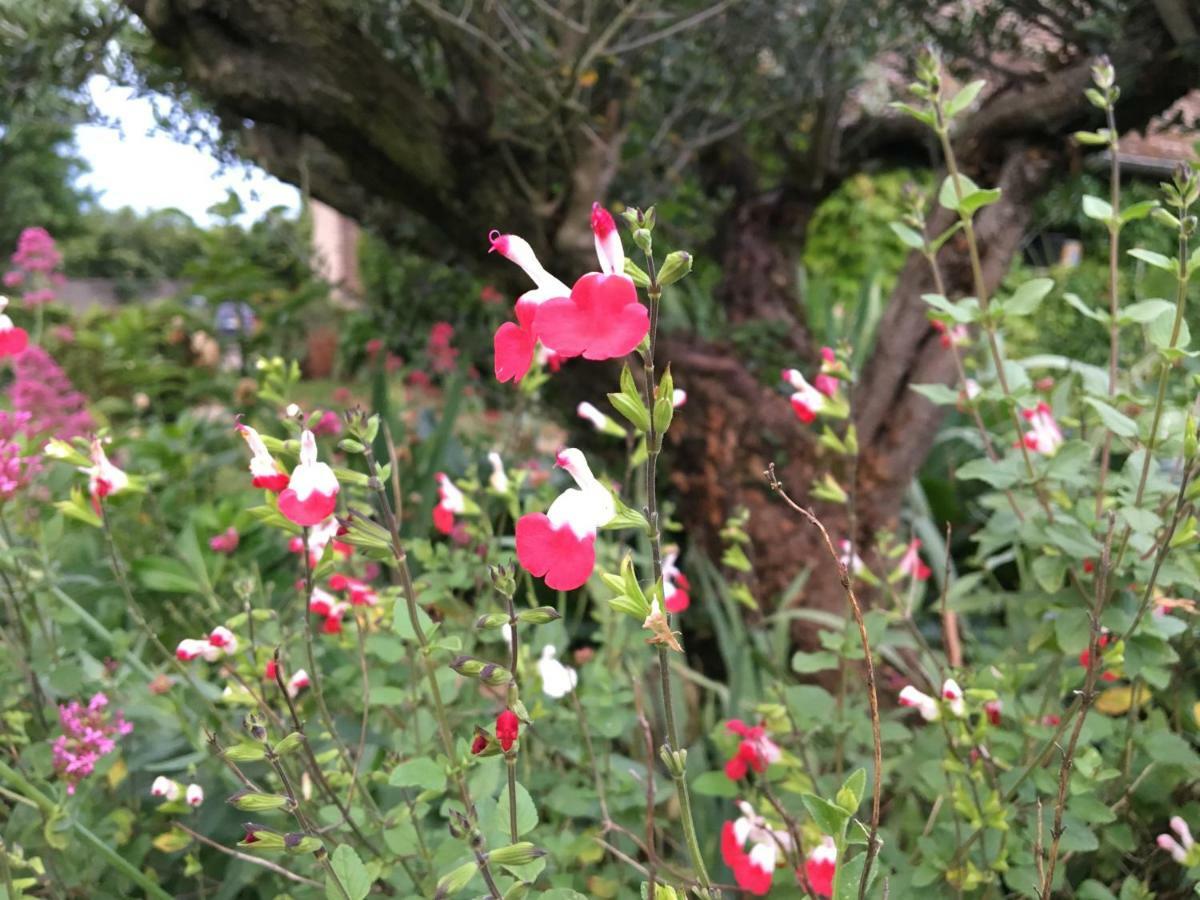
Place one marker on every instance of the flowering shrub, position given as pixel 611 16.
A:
pixel 360 655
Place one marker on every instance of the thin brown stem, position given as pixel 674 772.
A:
pixel 872 697
pixel 249 858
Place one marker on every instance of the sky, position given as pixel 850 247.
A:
pixel 135 163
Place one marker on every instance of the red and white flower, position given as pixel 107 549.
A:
pixel 675 584
pixel 1182 850
pixel 514 343
pixel 194 795
pixel 951 336
pixel 298 682
pixel 321 602
pixel 265 471
pixel 560 544
pixel 755 751
pixel 1044 435
pixel 911 563
pixel 599 420
pixel 820 866
pixel 827 379
pixel 223 639
pixel 164 788
pixel 807 401
pixel 753 870
pixel 558 680
pixel 678 397
pixel 450 504
pixel 311 494
pixel 13 340
pixel 104 479
pixel 361 593
pixel 953 696
pixel 993 710
pixel 191 648
pixel 923 703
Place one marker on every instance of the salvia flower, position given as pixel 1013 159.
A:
pixel 675 584
pixel 1044 435
pixel 514 343
pixel 678 397
pixel 951 335
pixel 224 639
pixel 602 423
pixel 498 480
pixel 1085 657
pixel 265 472
pixel 298 682
pixel 450 504
pixel 560 544
pixel 911 564
pixel 89 733
pixel 361 593
pixel 1183 850
pixel 558 680
pixel 312 490
pixel 820 866
pixel 927 706
pixel 13 340
pixel 993 710
pixel 165 789
pixel 104 479
pixel 191 648
pixel 753 870
pixel 226 542
pixel 806 400
pixel 755 751
pixel 508 727
pixel 194 795
pixel 848 557
pixel 953 696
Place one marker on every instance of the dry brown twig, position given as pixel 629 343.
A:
pixel 872 696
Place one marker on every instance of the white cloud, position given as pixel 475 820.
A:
pixel 135 163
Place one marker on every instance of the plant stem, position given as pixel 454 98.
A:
pixel 590 754
pixel 872 696
pixel 248 857
pixel 1114 328
pixel 653 448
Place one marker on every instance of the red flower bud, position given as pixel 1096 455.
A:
pixel 507 727
pixel 479 744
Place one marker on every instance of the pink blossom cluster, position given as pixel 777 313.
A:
pixel 441 354
pixel 42 389
pixel 35 266
pixel 16 469
pixel 89 733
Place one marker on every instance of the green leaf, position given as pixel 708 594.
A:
pixel 1159 332
pixel 829 817
pixel 1116 422
pixel 633 409
pixel 848 876
pixel 807 663
pixel 1028 297
pixel 1145 311
pixel 161 573
pixel 940 394
pixel 1095 208
pixel 350 872
pixel 1074 301
pixel 908 236
pixel 1169 748
pixel 963 311
pixel 924 116
pixel 714 784
pixel 527 815
pixel 1153 259
pixel 963 98
pixel 999 475
pixel 1138 211
pixel 420 772
pixel 850 794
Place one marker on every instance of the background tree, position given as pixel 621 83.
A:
pixel 433 121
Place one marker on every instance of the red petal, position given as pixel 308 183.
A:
pixel 514 351
pixel 803 413
pixel 735 769
pixel 731 850
pixel 564 560
pixel 315 509
pixel 602 319
pixel 13 341
pixel 443 519
pixel 820 876
pixel 679 602
pixel 274 483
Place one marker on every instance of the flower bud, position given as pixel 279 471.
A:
pixel 491 620
pixel 504 580
pixel 495 675
pixel 299 842
pixel 252 801
pixel 508 728
pixel 292 742
pixel 259 837
pixel 675 267
pixel 641 237
pixel 540 616
pixel 456 880
pixel 638 274
pixel 467 666
pixel 515 854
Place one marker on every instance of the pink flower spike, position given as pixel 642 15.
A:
pixel 609 250
pixel 560 544
pixel 820 867
pixel 311 494
pixel 601 319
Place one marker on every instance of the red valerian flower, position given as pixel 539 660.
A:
pixel 13 340
pixel 752 871
pixel 820 866
pixel 264 470
pixel 560 544
pixel 507 728
pixel 312 490
pixel 755 751
pixel 450 503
